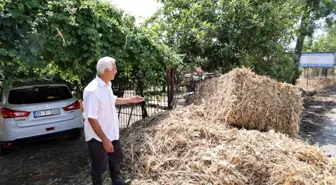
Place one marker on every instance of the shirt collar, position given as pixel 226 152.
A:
pixel 102 83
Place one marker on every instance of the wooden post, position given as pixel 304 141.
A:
pixel 143 104
pixel 170 88
pixel 307 76
pixel 333 72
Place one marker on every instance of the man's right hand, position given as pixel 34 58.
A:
pixel 97 129
pixel 108 146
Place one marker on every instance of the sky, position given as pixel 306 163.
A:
pixel 140 9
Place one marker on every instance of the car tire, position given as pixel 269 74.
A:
pixel 3 151
pixel 75 134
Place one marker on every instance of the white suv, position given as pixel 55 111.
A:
pixel 36 109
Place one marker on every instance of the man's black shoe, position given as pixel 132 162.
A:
pixel 121 181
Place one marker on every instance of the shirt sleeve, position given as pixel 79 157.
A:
pixel 114 97
pixel 91 105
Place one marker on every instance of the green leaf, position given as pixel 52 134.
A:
pixel 21 7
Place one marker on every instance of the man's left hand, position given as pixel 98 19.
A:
pixel 137 99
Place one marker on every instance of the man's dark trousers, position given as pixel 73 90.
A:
pixel 100 158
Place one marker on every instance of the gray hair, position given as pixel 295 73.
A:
pixel 105 63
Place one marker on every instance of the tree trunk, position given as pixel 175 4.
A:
pixel 171 89
pixel 303 31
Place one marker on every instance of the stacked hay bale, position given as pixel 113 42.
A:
pixel 184 148
pixel 194 145
pixel 244 99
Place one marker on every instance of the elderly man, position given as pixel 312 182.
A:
pixel 101 124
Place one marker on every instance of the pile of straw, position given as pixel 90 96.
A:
pixel 244 99
pixel 194 145
pixel 184 148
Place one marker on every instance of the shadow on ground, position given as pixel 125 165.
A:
pixel 318 123
pixel 54 161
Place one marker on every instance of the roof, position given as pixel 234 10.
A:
pixel 29 82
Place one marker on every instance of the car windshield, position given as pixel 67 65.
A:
pixel 38 94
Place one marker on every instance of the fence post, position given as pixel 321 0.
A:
pixel 170 88
pixel 143 104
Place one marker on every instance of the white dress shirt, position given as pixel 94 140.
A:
pixel 99 103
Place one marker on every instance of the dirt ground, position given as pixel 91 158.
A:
pixel 318 125
pixel 64 162
pixel 52 161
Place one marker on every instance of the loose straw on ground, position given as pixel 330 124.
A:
pixel 198 144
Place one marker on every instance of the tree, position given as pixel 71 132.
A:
pixel 326 43
pixel 221 34
pixel 313 10
pixel 67 37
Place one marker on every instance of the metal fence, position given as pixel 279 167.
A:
pixel 158 98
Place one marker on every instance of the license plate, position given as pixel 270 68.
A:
pixel 45 113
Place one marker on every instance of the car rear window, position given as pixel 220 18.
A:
pixel 38 94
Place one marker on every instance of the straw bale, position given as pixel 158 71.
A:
pixel 186 148
pixel 243 99
pixel 194 145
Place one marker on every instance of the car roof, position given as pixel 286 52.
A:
pixel 30 82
